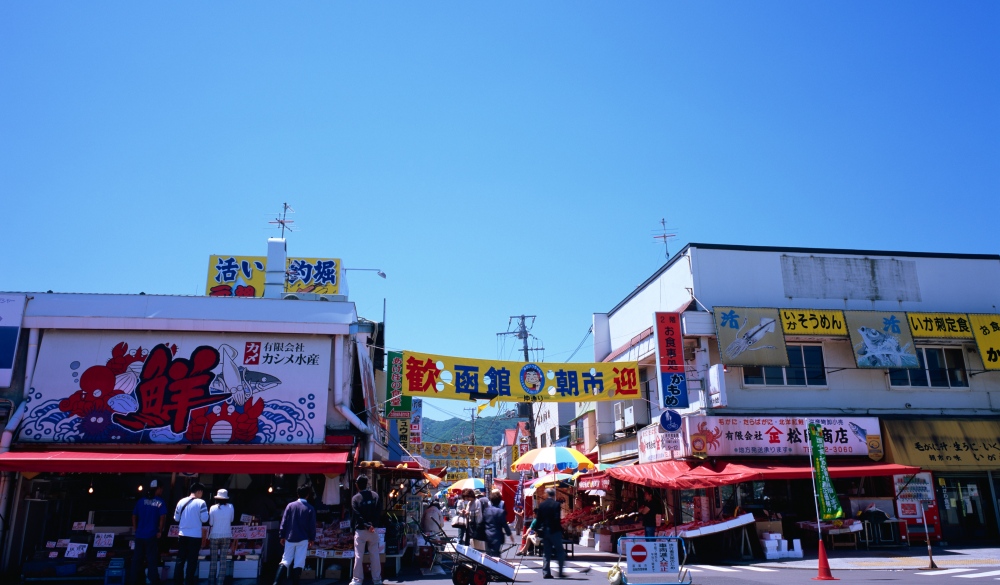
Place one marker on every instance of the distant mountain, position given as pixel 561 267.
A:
pixel 489 430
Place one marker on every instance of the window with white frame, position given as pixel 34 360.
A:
pixel 805 368
pixel 938 367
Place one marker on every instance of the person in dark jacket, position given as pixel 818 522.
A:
pixel 297 532
pixel 550 526
pixel 365 508
pixel 495 522
pixel 649 509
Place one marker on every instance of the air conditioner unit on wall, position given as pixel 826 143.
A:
pixel 636 414
pixel 619 416
pixel 629 416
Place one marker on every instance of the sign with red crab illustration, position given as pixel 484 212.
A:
pixel 177 388
pixel 778 435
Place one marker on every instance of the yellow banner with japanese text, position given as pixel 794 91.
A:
pixel 987 331
pixel 456 378
pixel 940 325
pixel 453 451
pixel 456 475
pixel 813 322
pixel 243 276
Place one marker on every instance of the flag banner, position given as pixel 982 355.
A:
pixel 457 378
pixel 829 505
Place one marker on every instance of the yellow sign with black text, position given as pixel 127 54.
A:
pixel 813 322
pixel 456 378
pixel 940 325
pixel 986 328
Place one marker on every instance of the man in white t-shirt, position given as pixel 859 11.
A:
pixel 190 514
pixel 220 536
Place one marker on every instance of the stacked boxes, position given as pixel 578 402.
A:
pixel 776 547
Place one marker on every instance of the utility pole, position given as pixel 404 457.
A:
pixel 521 332
pixel 473 411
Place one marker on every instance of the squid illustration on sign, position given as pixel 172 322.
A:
pixel 748 340
pixel 878 349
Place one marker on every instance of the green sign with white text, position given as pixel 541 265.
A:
pixel 829 505
pixel 396 405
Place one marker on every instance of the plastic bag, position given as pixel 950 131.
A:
pixel 615 575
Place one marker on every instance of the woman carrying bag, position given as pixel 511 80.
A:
pixel 461 520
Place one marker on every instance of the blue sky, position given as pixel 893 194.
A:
pixel 493 159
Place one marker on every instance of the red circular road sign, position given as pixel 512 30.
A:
pixel 638 553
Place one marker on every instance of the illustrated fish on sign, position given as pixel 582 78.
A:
pixel 858 431
pixel 752 336
pixel 881 350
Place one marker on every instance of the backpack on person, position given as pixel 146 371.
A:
pixel 368 509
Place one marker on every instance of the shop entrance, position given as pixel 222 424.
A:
pixel 967 509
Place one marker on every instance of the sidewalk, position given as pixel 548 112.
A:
pixel 913 557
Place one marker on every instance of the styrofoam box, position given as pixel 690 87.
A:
pixel 774 536
pixel 782 546
pixel 771 555
pixel 769 544
pixel 241 569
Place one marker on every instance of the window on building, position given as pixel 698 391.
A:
pixel 939 367
pixel 552 435
pixel 579 428
pixel 805 368
pixel 541 440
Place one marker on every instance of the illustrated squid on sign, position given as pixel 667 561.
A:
pixel 747 341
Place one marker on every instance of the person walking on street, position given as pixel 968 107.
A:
pixel 648 510
pixel 431 522
pixel 297 532
pixel 190 514
pixel 220 536
pixel 148 519
pixel 550 523
pixel 472 512
pixel 495 522
pixel 461 521
pixel 479 536
pixel 364 504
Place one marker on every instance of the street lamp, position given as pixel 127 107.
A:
pixel 375 270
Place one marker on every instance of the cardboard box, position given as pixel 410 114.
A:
pixel 308 573
pixel 773 526
pixel 332 573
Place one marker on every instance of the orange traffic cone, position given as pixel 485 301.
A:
pixel 824 566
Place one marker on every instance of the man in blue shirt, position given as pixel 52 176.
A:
pixel 148 520
pixel 297 531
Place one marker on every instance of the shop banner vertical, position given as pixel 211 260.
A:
pixel 829 505
pixel 416 423
pixel 670 359
pixel 397 405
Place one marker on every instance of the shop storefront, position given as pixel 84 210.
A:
pixel 963 458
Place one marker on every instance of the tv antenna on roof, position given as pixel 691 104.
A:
pixel 283 220
pixel 665 236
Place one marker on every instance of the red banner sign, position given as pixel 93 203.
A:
pixel 599 481
pixel 669 342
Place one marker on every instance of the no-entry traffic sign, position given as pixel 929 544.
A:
pixel 638 553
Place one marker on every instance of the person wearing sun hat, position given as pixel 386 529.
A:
pixel 220 536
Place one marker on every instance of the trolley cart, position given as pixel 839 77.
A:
pixel 477 568
pixel 653 560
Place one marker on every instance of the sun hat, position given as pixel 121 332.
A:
pixel 222 495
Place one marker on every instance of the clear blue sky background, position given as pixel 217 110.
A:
pixel 493 158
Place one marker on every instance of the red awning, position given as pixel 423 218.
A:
pixel 681 475
pixel 230 461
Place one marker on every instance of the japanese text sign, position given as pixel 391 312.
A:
pixel 783 435
pixel 940 325
pixel 829 505
pixel 881 339
pixel 750 337
pixel 398 406
pixel 656 444
pixel 104 539
pixel 437 376
pixel 650 557
pixel 416 423
pixel 813 322
pixel 670 358
pixel 11 314
pixel 243 276
pixel 987 331
pixel 596 481
pixel 173 387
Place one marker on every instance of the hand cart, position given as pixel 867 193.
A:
pixel 478 568
pixel 652 560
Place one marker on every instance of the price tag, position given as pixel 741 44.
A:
pixel 345 524
pixel 246 518
pixel 104 539
pixel 76 550
pixel 54 554
pixel 174 531
pixel 240 531
pixel 50 544
pixel 62 543
pixel 79 526
pixel 101 554
pixel 256 532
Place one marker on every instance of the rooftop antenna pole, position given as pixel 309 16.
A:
pixel 283 220
pixel 665 236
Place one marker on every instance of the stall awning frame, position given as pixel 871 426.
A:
pixel 259 461
pixel 682 475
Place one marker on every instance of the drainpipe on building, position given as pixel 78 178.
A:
pixel 342 400
pixel 7 477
